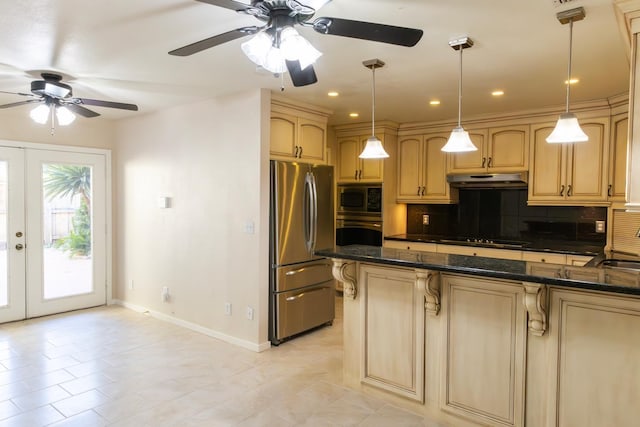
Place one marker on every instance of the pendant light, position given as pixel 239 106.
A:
pixel 568 129
pixel 459 140
pixel 373 149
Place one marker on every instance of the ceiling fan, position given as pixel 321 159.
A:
pixel 53 93
pixel 281 16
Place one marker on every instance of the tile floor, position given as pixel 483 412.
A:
pixel 116 367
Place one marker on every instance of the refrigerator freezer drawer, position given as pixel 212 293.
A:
pixel 302 275
pixel 303 309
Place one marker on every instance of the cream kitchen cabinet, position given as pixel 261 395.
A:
pixel 351 168
pixel 297 133
pixel 410 246
pixel 618 158
pixel 569 174
pixel 500 149
pixel 422 170
pixel 479 251
pixel 393 330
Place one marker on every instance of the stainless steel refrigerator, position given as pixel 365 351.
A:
pixel 302 289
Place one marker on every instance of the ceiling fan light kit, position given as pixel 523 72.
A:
pixel 459 140
pixel 373 149
pixel 568 129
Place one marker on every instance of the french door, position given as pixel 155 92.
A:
pixel 52 232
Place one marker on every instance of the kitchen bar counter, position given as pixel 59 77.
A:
pixel 474 341
pixel 593 278
pixel 534 245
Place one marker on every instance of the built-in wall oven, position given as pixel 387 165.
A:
pixel 359 216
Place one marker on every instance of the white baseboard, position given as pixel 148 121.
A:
pixel 194 327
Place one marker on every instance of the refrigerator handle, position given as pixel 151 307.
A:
pixel 314 210
pixel 308 211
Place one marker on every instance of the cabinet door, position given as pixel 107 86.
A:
pixel 508 149
pixel 434 168
pixel 472 161
pixel 591 364
pixel 312 139
pixel 546 167
pixel 283 136
pixel 586 166
pixel 392 328
pixel 371 168
pixel 618 158
pixel 410 168
pixel 484 343
pixel 348 161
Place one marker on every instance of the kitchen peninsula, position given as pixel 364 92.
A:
pixel 487 341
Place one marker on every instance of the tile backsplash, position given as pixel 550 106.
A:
pixel 503 213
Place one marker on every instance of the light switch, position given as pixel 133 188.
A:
pixel 164 202
pixel 249 227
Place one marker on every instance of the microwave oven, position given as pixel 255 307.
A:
pixel 360 199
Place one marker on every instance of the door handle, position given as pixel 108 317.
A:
pixel 569 190
pixel 295 154
pixel 360 174
pixel 562 190
pixel 418 193
pixel 19 246
pixel 489 163
pixel 422 194
pixel 609 190
pixel 356 175
pixel 300 152
pixel 484 161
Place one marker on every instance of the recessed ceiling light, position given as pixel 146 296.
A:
pixel 333 94
pixel 497 93
pixel 434 102
pixel 572 81
pixel 354 115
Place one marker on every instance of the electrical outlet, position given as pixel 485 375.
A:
pixel 164 295
pixel 600 227
pixel 227 308
pixel 130 283
pixel 249 313
pixel 425 219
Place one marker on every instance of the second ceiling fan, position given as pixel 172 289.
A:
pixel 277 47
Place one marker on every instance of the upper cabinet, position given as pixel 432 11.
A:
pixel 351 168
pixel 570 174
pixel 500 149
pixel 618 158
pixel 422 170
pixel 298 132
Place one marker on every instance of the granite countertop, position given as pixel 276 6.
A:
pixel 533 245
pixel 602 279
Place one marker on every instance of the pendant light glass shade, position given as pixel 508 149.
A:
pixel 40 114
pixel 568 129
pixel 373 149
pixel 297 48
pixel 459 140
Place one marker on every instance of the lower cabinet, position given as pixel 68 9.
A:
pixel 592 361
pixel 484 348
pixel 392 328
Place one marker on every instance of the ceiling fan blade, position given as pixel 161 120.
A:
pixel 97 103
pixel 368 31
pixel 196 47
pixel 228 4
pixel 17 104
pixel 18 93
pixel 81 111
pixel 301 77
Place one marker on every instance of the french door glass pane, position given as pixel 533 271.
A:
pixel 4 250
pixel 67 220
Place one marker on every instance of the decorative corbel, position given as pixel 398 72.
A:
pixel 535 301
pixel 343 272
pixel 430 282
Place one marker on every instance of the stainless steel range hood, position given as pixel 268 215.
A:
pixel 489 180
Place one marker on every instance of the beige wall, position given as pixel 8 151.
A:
pixel 211 159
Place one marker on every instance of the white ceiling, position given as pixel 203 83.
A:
pixel 117 50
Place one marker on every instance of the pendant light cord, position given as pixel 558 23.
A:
pixel 460 90
pixel 569 67
pixel 373 102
